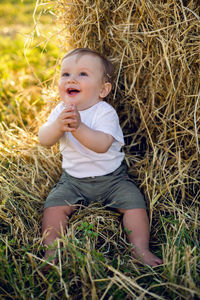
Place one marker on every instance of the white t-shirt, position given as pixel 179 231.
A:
pixel 79 161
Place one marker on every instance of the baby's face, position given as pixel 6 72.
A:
pixel 81 80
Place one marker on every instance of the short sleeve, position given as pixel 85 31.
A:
pixel 107 120
pixel 54 114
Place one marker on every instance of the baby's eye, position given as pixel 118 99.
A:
pixel 65 74
pixel 83 74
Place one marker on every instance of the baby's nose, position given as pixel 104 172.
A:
pixel 72 78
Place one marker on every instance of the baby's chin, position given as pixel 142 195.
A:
pixel 67 101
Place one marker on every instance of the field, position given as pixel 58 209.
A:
pixel 94 258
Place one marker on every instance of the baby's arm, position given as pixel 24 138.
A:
pixel 65 122
pixel 95 140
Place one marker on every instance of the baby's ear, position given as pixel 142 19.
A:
pixel 105 90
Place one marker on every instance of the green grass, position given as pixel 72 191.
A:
pixel 24 9
pixel 25 66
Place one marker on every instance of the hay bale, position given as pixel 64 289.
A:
pixel 155 47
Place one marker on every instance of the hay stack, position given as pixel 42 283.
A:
pixel 155 46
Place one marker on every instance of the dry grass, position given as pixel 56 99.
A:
pixel 94 257
pixel 155 47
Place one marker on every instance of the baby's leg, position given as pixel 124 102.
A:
pixel 137 223
pixel 53 224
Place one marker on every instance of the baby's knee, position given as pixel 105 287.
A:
pixel 59 211
pixel 70 209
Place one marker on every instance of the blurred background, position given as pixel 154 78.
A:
pixel 28 53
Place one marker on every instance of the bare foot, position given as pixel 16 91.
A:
pixel 147 257
pixel 51 260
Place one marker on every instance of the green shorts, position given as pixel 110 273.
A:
pixel 115 190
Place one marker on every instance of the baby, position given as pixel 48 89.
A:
pixel 90 143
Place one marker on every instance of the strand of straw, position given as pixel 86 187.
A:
pixel 195 122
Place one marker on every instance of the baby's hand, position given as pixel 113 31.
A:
pixel 67 120
pixel 77 117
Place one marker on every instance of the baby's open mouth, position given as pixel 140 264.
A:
pixel 72 92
